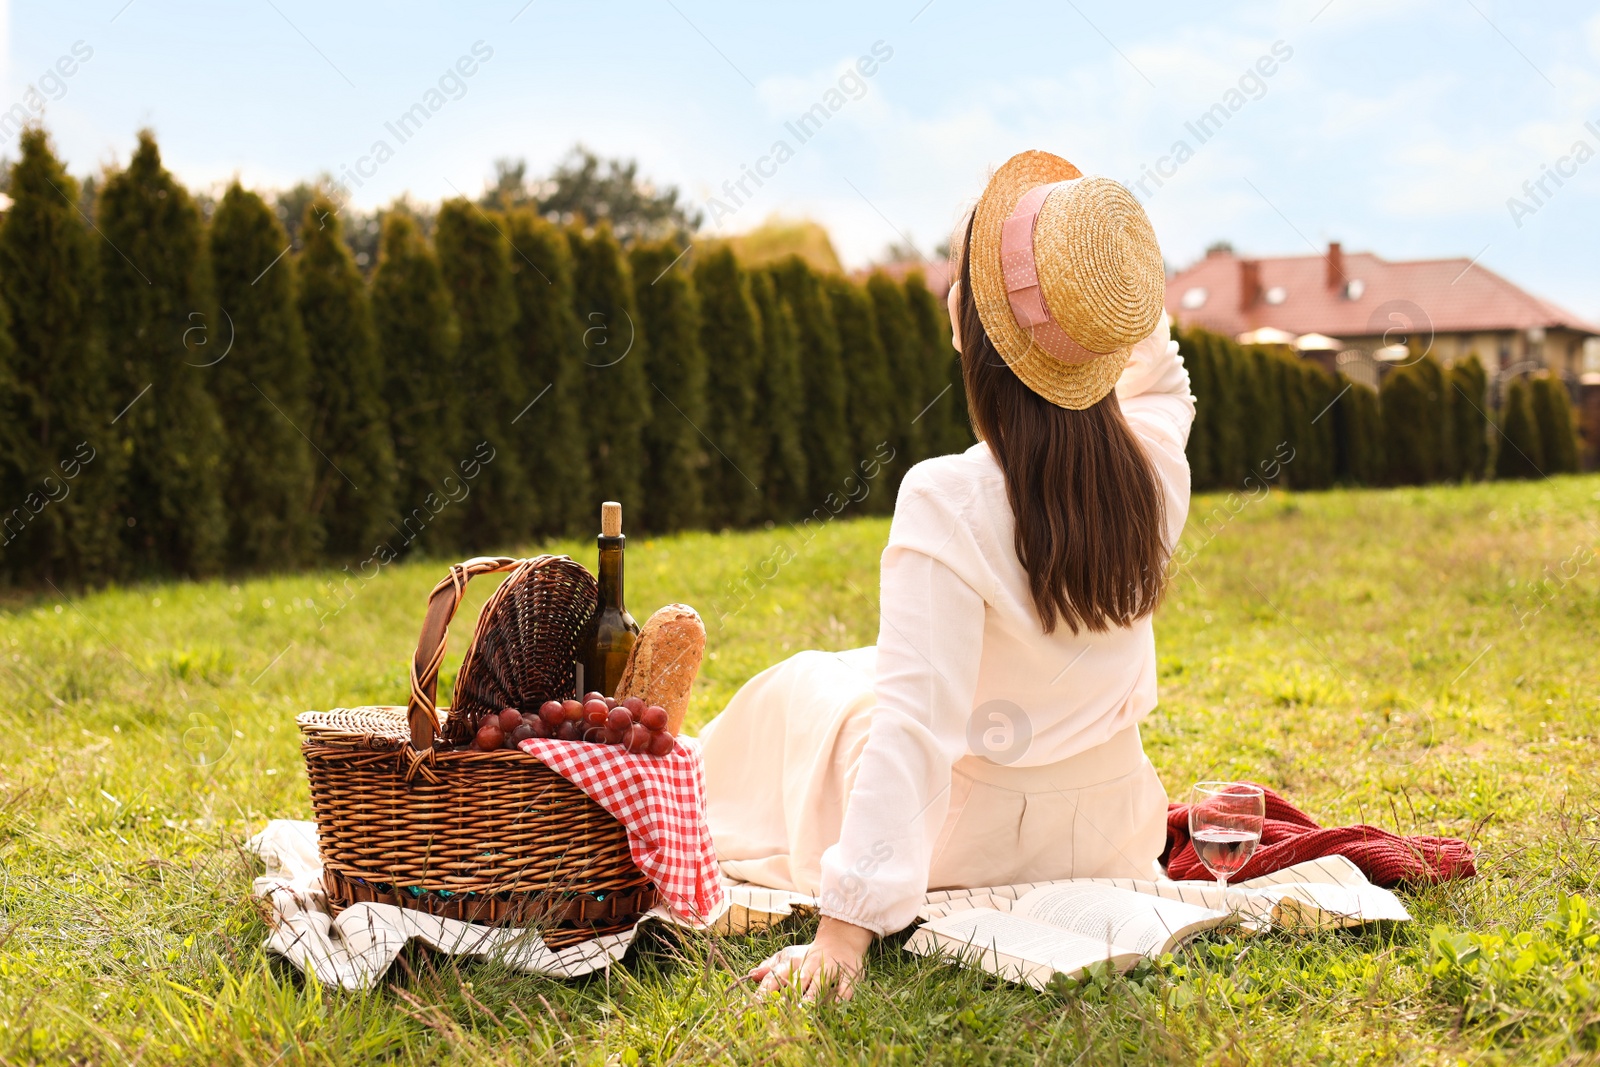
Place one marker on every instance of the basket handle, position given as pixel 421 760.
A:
pixel 422 710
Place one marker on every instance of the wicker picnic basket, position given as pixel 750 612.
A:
pixel 493 837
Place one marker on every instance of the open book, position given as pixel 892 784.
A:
pixel 1028 933
pixel 1063 929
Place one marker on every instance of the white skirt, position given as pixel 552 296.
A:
pixel 781 758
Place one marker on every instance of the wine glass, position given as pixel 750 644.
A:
pixel 1225 820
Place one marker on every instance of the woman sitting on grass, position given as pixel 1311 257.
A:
pixel 991 736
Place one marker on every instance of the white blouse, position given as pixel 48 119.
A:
pixel 958 629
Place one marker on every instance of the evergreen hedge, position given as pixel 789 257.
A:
pixel 618 399
pixel 554 434
pixel 906 365
pixel 1558 434
pixel 203 399
pixel 682 484
pixel 354 494
pixel 262 388
pixel 417 339
pixel 869 404
pixel 825 433
pixel 162 332
pixel 1470 427
pixel 62 479
pixel 730 338
pixel 1521 452
pixel 475 261
pixel 942 404
pixel 780 402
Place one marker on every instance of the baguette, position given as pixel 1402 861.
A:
pixel 665 659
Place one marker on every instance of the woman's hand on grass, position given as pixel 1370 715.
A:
pixel 829 966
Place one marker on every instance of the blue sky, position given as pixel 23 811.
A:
pixel 1394 126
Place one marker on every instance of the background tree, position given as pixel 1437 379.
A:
pixel 1202 472
pixel 1318 391
pixel 1233 386
pixel 824 429
pixel 1359 430
pixel 618 399
pixel 780 402
pixel 1410 403
pixel 1558 436
pixel 587 189
pixel 1447 462
pixel 869 405
pixel 475 260
pixel 904 362
pixel 554 434
pixel 417 340
pixel 1521 453
pixel 354 492
pixel 160 332
pixel 261 388
pixel 942 405
pixel 57 401
pixel 1468 388
pixel 675 453
pixel 730 334
pixel 1265 428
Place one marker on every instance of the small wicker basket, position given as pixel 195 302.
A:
pixel 494 837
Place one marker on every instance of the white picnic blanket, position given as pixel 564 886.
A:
pixel 354 949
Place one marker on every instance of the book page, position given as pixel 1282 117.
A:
pixel 1133 922
pixel 1013 946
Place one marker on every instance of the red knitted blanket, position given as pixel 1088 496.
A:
pixel 1290 836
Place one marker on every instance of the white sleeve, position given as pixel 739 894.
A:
pixel 1155 399
pixel 929 643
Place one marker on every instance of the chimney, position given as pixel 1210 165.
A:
pixel 1335 265
pixel 1249 283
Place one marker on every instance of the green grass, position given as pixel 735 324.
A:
pixel 1374 655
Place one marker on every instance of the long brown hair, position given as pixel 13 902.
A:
pixel 1091 524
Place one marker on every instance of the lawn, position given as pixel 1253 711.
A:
pixel 1422 659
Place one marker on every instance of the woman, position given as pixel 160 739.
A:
pixel 991 737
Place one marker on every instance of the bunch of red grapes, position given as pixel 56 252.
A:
pixel 599 719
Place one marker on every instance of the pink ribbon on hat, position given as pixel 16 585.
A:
pixel 1021 274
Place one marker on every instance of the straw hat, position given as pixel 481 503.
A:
pixel 1066 275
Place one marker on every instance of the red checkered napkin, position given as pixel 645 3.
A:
pixel 660 801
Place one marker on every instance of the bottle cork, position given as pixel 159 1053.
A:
pixel 611 519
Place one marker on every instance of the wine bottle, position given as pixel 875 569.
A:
pixel 613 631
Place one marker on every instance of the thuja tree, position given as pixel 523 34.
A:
pixel 1558 436
pixel 417 349
pixel 1198 448
pixel 1317 389
pixel 1411 425
pixel 262 388
pixel 1231 389
pixel 869 405
pixel 1468 388
pixel 942 401
pixel 554 434
pixel 730 334
pixel 780 402
pixel 904 362
pixel 675 363
pixel 1359 436
pixel 475 259
pixel 824 431
pixel 161 334
pixel 1521 453
pixel 61 487
pixel 617 398
pixel 354 494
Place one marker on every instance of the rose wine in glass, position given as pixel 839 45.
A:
pixel 1225 820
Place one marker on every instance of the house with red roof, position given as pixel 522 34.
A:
pixel 1354 310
